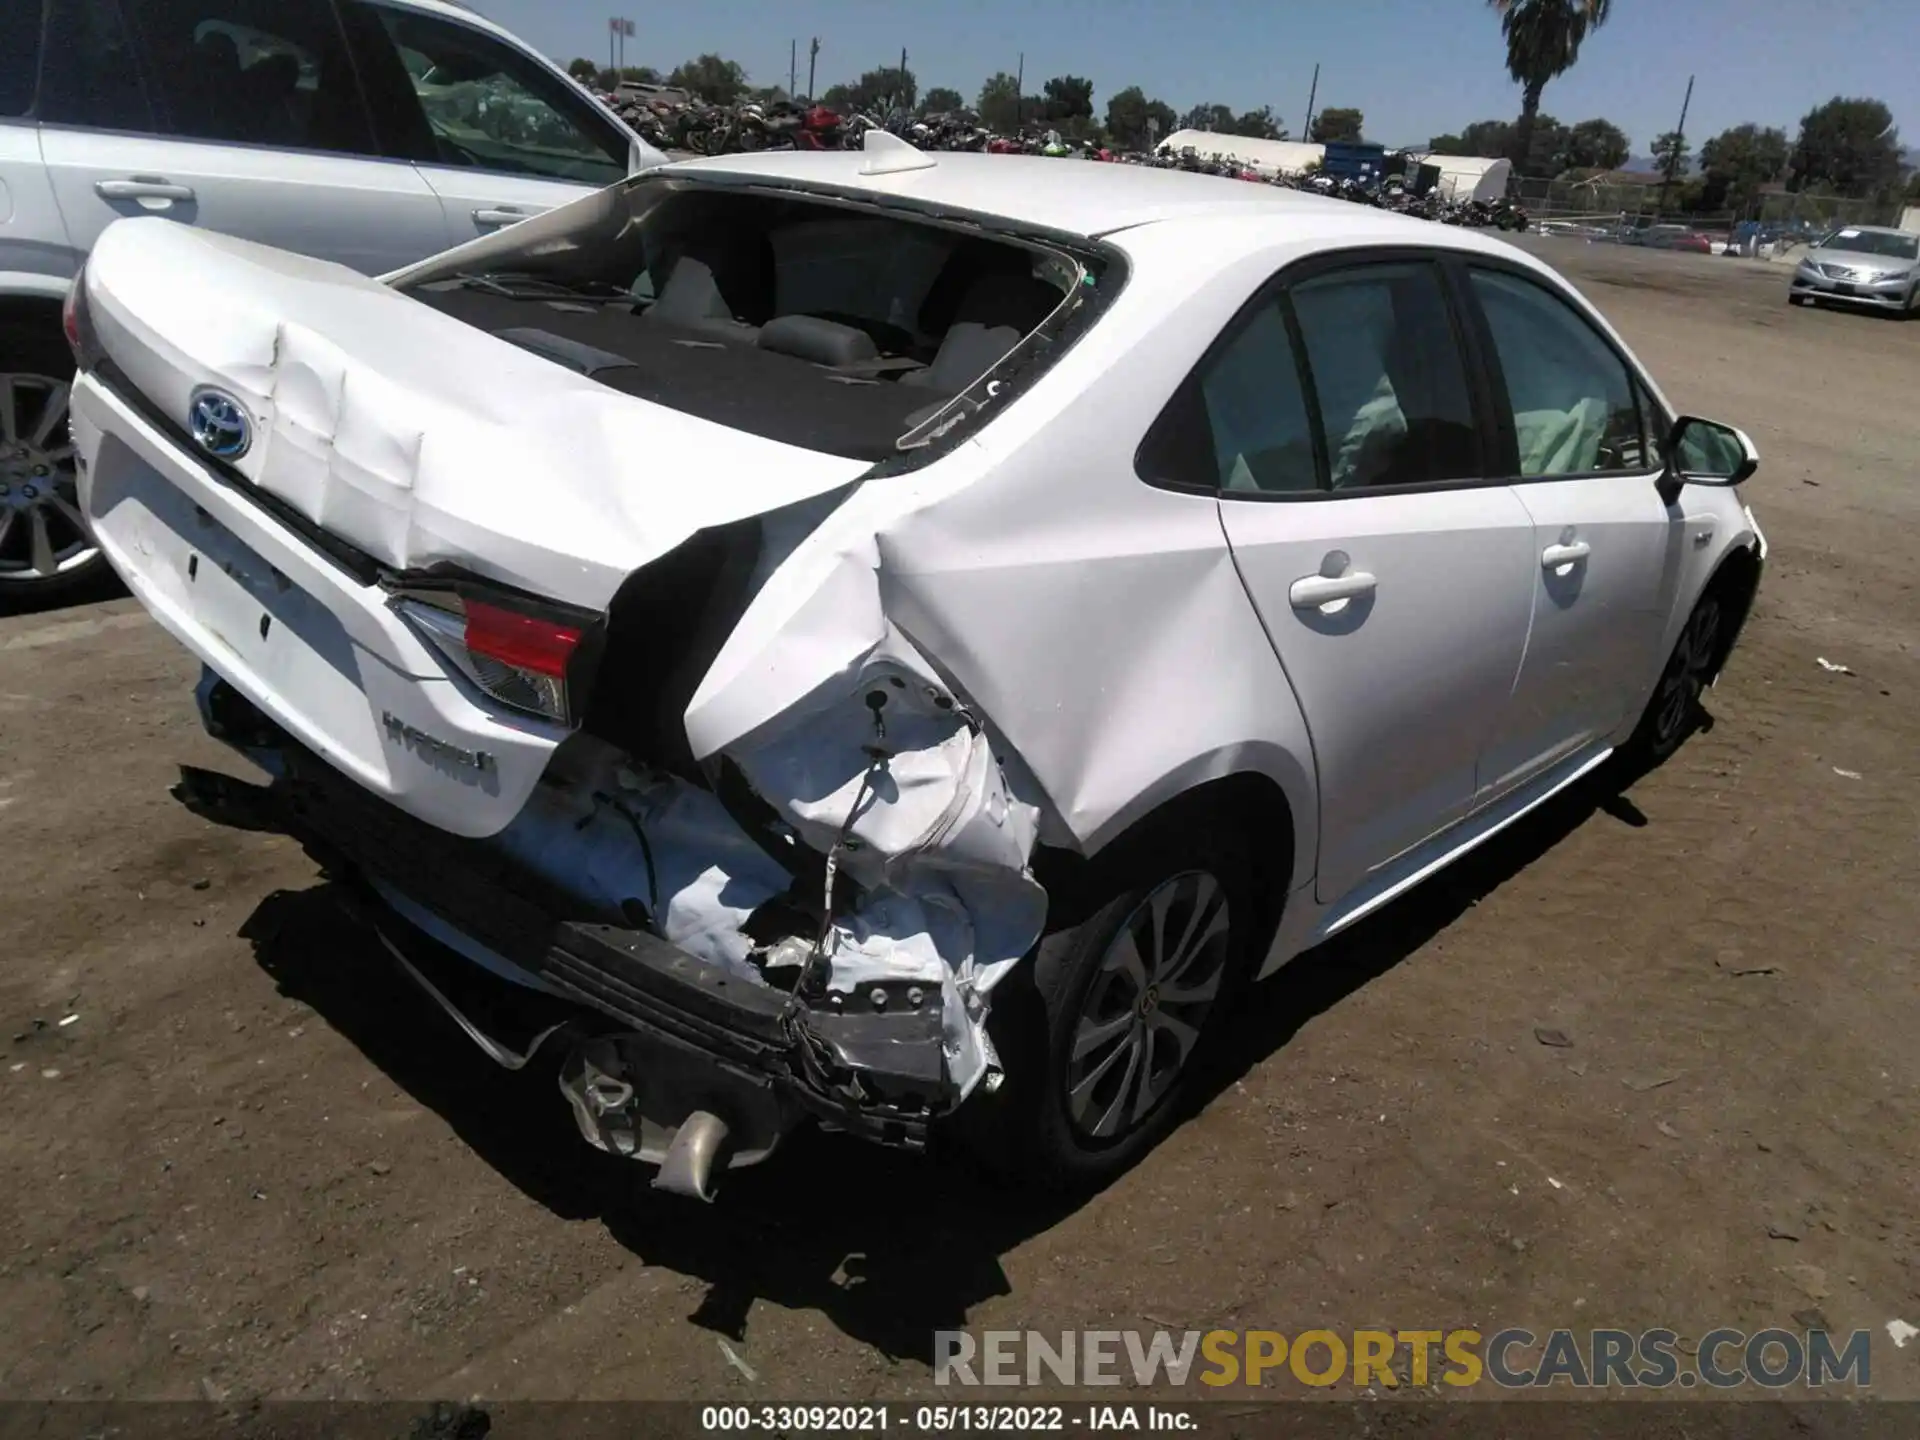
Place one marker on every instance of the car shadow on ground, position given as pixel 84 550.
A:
pixel 28 600
pixel 888 1246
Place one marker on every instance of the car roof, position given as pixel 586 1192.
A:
pixel 1088 198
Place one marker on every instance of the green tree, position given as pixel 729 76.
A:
pixel 1261 124
pixel 999 102
pixel 1671 153
pixel 712 78
pixel 1594 145
pixel 1543 40
pixel 583 70
pixel 874 93
pixel 1548 147
pixel 1067 97
pixel 941 100
pixel 1488 139
pixel 1208 117
pixel 643 74
pixel 1850 147
pixel 1128 113
pixel 1336 124
pixel 1737 162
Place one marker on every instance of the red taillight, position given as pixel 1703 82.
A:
pixel 522 641
pixel 77 324
pixel 519 659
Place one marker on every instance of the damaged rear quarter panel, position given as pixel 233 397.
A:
pixel 1095 625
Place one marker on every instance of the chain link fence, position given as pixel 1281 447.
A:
pixel 1624 206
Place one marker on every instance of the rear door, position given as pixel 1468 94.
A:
pixel 241 116
pixel 495 133
pixel 1338 424
pixel 1609 550
pixel 34 256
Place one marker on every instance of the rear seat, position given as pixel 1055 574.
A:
pixel 995 314
pixel 720 281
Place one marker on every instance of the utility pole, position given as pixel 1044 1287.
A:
pixel 813 54
pixel 1312 95
pixel 1673 160
pixel 1020 92
pixel 793 62
pixel 613 29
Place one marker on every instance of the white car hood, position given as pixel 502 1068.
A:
pixel 417 438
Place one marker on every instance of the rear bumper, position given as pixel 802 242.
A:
pixel 312 643
pixel 686 1035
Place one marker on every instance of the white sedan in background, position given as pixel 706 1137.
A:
pixel 886 639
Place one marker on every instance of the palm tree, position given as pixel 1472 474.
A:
pixel 1543 40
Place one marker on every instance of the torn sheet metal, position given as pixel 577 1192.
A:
pixel 937 846
pixel 898 783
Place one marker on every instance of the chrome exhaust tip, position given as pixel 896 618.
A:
pixel 698 1145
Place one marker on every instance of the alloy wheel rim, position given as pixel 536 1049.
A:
pixel 1687 674
pixel 1143 1012
pixel 42 532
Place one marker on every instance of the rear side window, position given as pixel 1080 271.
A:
pixel 1574 411
pixel 1388 374
pixel 1352 380
pixel 1256 411
pixel 255 72
pixel 245 72
pixel 92 74
pixel 19 56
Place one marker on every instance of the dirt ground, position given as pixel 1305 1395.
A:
pixel 257 1163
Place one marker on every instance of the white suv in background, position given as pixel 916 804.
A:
pixel 370 132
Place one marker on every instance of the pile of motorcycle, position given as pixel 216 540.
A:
pixel 673 123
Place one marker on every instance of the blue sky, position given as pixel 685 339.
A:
pixel 1416 67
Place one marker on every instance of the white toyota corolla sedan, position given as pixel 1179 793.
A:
pixel 872 638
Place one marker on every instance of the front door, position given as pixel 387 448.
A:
pixel 495 134
pixel 1393 584
pixel 1608 547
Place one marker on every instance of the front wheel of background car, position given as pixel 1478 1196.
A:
pixel 1121 1013
pixel 1674 711
pixel 47 555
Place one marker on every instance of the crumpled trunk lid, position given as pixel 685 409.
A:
pixel 416 438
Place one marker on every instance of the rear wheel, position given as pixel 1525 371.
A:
pixel 46 551
pixel 1120 1013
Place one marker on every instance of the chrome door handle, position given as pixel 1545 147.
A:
pixel 141 189
pixel 1310 592
pixel 487 216
pixel 1554 557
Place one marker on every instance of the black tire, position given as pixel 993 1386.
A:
pixel 1031 1132
pixel 31 349
pixel 1673 711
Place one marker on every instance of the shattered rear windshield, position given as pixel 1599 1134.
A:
pixel 837 327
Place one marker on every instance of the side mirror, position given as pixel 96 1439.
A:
pixel 1705 452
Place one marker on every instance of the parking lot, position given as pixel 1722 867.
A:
pixel 255 1162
